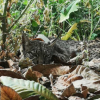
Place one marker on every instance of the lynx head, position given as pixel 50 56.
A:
pixel 38 51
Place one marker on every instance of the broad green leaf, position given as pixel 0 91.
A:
pixel 71 8
pixel 45 2
pixel 93 36
pixel 25 2
pixel 34 23
pixel 15 14
pixel 61 1
pixel 70 31
pixel 24 87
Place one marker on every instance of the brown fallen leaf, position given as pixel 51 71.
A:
pixel 12 74
pixel 86 73
pixel 64 80
pixel 74 78
pixel 33 75
pixel 7 55
pixel 78 95
pixel 84 91
pixel 60 70
pixel 90 78
pixel 82 78
pixel 2 54
pixel 9 94
pixel 64 86
pixel 79 69
pixel 10 55
pixel 83 88
pixel 70 90
pixel 10 62
pixel 14 70
pixel 54 69
pixel 1 67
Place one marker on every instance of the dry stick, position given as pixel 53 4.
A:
pixel 79 57
pixel 20 15
pixel 91 11
pixel 4 24
pixel 51 79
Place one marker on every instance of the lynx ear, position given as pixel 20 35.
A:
pixel 52 43
pixel 25 41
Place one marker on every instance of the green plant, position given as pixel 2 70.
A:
pixel 87 17
pixel 48 17
pixel 9 20
pixel 26 88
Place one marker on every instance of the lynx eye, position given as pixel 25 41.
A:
pixel 30 54
pixel 49 56
pixel 47 53
pixel 33 52
pixel 27 55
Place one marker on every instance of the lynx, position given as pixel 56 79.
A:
pixel 42 53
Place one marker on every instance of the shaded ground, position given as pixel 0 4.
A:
pixel 65 50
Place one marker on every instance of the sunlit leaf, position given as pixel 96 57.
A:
pixel 34 23
pixel 71 8
pixel 32 75
pixel 26 88
pixel 61 1
pixel 25 2
pixel 70 31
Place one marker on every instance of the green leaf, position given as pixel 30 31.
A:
pixel 61 1
pixel 93 36
pixel 25 2
pixel 71 8
pixel 26 88
pixel 34 23
pixel 45 2
pixel 15 14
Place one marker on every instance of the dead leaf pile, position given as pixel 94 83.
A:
pixel 82 83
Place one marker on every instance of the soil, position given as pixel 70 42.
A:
pixel 92 47
pixel 65 50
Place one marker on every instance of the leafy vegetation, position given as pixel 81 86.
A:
pixel 26 88
pixel 51 17
pixel 71 19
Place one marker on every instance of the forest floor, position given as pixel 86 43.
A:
pixel 71 81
